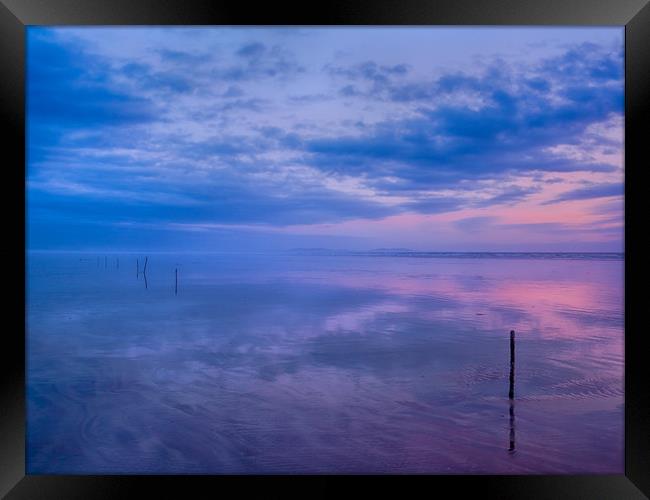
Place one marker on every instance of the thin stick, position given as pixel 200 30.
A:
pixel 144 270
pixel 511 392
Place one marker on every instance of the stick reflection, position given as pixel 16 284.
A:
pixel 511 392
pixel 511 448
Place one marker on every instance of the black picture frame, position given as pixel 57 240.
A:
pixel 15 15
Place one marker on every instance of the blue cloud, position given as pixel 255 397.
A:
pixel 473 224
pixel 604 190
pixel 252 50
pixel 233 91
pixel 509 133
pixel 586 60
pixel 434 204
pixel 260 61
pixel 180 57
pixel 223 201
pixel 107 141
pixel 368 70
pixel 68 89
pixel 149 79
pixel 510 195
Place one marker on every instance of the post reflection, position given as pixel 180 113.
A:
pixel 511 448
pixel 511 392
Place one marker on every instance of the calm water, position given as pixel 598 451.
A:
pixel 324 364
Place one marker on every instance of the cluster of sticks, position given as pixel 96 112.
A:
pixel 144 274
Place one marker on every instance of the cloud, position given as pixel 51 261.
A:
pixel 434 204
pixel 561 230
pixel 181 57
pixel 252 50
pixel 368 70
pixel 256 132
pixel 222 200
pixel 604 190
pixel 149 79
pixel 233 91
pixel 67 89
pixel 478 223
pixel 260 61
pixel 509 195
pixel 492 123
pixel 588 60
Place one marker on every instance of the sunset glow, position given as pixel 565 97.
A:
pixel 502 139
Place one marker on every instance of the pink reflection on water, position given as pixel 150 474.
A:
pixel 545 298
pixel 341 364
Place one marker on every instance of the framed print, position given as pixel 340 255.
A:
pixel 302 249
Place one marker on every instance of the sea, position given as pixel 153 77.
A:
pixel 315 361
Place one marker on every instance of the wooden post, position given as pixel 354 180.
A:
pixel 176 285
pixel 511 392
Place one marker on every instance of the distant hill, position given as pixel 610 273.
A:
pixel 345 251
pixel 397 249
pixel 407 252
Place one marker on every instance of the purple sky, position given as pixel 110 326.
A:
pixel 468 139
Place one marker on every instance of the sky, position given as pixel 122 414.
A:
pixel 249 138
